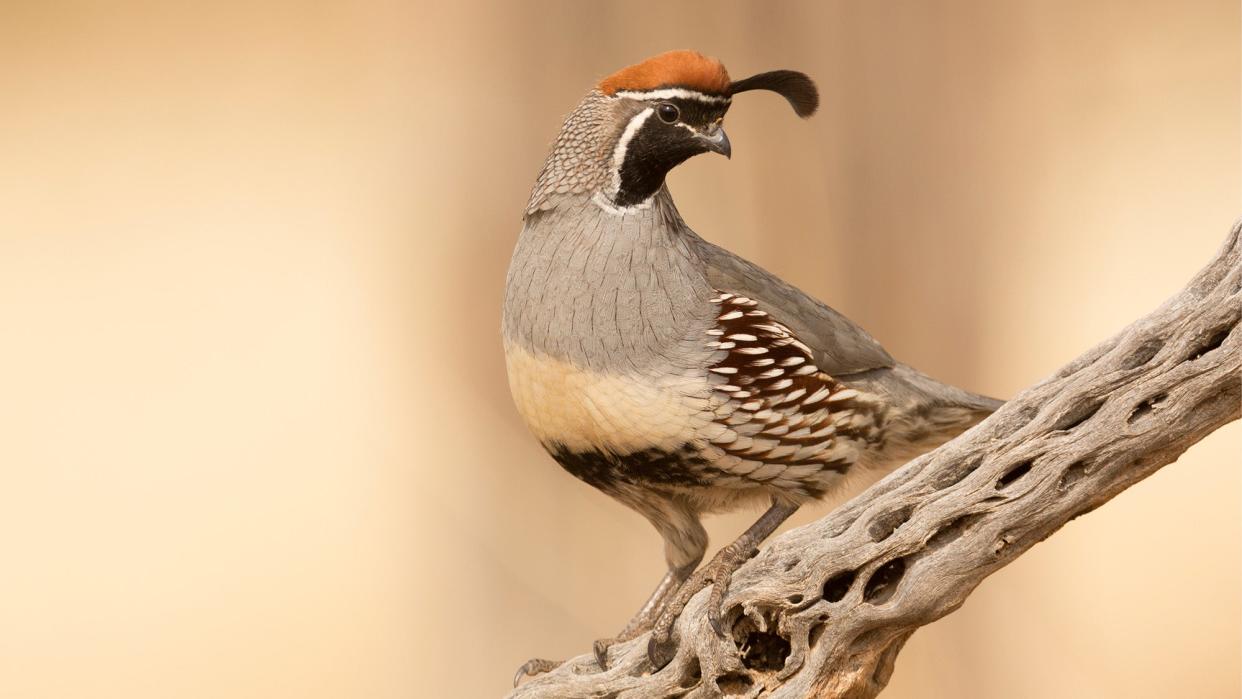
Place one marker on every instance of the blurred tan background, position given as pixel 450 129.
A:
pixel 255 436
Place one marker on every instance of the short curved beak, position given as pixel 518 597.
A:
pixel 716 140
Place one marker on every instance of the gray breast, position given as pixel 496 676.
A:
pixel 612 293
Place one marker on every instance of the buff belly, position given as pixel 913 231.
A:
pixel 598 424
pixel 608 429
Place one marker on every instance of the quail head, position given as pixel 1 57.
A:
pixel 673 375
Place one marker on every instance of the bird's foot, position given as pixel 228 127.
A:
pixel 717 573
pixel 601 646
pixel 533 667
pixel 538 666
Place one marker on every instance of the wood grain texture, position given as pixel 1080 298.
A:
pixel 824 610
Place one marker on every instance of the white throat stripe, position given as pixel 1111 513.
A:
pixel 618 153
pixel 672 93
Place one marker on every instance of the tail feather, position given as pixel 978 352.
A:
pixel 925 412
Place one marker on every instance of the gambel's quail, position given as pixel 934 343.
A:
pixel 673 375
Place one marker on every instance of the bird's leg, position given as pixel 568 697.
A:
pixel 717 572
pixel 685 541
pixel 646 616
pixel 639 624
pixel 641 621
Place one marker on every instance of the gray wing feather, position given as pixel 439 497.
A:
pixel 840 347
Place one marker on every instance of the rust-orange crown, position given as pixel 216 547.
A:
pixel 688 69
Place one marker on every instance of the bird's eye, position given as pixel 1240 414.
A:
pixel 668 112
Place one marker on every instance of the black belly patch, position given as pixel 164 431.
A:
pixel 683 467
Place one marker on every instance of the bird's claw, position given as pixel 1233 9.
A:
pixel 601 647
pixel 538 666
pixel 660 652
pixel 717 573
pixel 713 617
pixel 534 666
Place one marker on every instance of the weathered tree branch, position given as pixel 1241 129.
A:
pixel 824 610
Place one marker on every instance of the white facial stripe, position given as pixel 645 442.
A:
pixel 673 93
pixel 602 201
pixel 618 153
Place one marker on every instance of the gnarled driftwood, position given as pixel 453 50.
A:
pixel 824 609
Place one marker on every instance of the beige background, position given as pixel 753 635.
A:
pixel 255 439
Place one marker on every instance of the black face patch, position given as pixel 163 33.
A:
pixel 659 146
pixel 697 113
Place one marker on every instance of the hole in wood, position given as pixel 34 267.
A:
pixel 1024 417
pixel 765 651
pixel 1144 409
pixel 733 683
pixel 955 473
pixel 883 582
pixel 1014 474
pixel 838 585
pixel 692 675
pixel 1077 415
pixel 1072 475
pixel 734 618
pixel 1212 344
pixel 816 631
pixel 839 528
pixel 1142 354
pixel 948 533
pixel 1002 543
pixel 884 525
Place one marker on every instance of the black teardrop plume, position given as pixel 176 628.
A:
pixel 795 87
